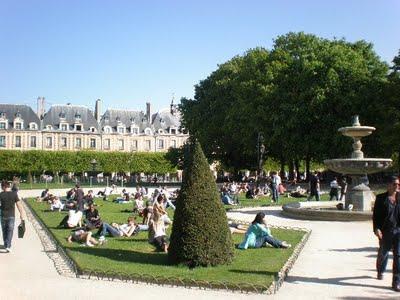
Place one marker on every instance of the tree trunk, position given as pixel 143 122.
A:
pixel 297 168
pixel 291 169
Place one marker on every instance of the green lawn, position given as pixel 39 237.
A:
pixel 134 255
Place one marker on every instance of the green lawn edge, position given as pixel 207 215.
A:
pixel 270 277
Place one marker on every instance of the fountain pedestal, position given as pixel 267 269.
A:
pixel 359 195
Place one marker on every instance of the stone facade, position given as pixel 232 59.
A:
pixel 73 127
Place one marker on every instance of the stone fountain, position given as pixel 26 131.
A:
pixel 359 195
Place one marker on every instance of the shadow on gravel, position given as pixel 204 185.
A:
pixel 342 281
pixel 153 258
pixel 363 249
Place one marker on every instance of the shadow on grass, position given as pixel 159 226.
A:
pixel 266 273
pixel 153 258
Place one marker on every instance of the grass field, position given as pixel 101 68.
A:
pixel 135 255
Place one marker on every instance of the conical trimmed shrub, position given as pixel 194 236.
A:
pixel 200 234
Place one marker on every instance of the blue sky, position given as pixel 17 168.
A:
pixel 130 52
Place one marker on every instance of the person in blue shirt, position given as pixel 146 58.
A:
pixel 259 234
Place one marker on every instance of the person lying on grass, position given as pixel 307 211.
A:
pixel 237 228
pixel 82 236
pixel 123 230
pixel 258 235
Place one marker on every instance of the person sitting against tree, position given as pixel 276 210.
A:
pixel 258 235
pixel 82 236
pixel 123 230
pixel 92 217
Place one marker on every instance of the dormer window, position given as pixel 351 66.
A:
pixel 106 119
pixel 160 131
pixel 62 115
pixel 147 131
pixel 121 129
pixel 78 116
pixel 32 126
pixel 107 129
pixel 92 129
pixel 49 127
pixel 134 130
pixel 78 127
pixel 18 115
pixel 172 131
pixel 118 119
pixel 18 125
pixel 64 127
pixel 2 115
pixel 3 125
pixel 132 120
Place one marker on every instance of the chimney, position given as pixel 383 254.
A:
pixel 97 110
pixel 40 107
pixel 148 112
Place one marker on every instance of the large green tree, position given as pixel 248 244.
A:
pixel 297 94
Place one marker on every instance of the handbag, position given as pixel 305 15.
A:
pixel 21 229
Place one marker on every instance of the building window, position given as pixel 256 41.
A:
pixel 2 125
pixel 18 125
pixel 107 144
pixel 148 145
pixel 2 115
pixel 48 127
pixel 63 142
pixel 147 131
pixel 107 129
pixel 160 144
pixel 49 142
pixel 121 144
pixel 2 141
pixel 33 141
pixel 32 126
pixel 134 145
pixel 78 143
pixel 134 130
pixel 92 129
pixel 78 127
pixel 64 127
pixel 92 143
pixel 173 144
pixel 121 129
pixel 173 131
pixel 18 142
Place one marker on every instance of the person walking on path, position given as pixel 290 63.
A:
pixel 8 201
pixel 334 192
pixel 314 187
pixel 386 225
pixel 275 182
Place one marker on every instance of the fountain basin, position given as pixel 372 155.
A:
pixel 358 166
pixel 323 211
pixel 356 131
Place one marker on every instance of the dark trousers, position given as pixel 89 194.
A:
pixel 7 226
pixel 275 192
pixel 390 241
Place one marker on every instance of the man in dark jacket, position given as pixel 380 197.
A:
pixel 386 224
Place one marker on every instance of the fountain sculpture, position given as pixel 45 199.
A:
pixel 359 195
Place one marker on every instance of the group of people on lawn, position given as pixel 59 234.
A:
pixel 82 207
pixel 155 220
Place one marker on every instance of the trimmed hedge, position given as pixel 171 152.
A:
pixel 200 234
pixel 38 161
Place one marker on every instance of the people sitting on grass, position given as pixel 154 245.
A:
pixel 147 213
pixel 123 230
pixel 298 192
pixel 138 204
pixel 56 204
pixel 92 217
pixel 226 198
pixel 88 198
pixel 258 235
pixel 159 209
pixel 237 228
pixel 44 195
pixel 82 236
pixel 251 194
pixel 72 220
pixel 157 232
pixel 71 194
pixel 105 193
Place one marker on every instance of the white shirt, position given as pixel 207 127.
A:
pixel 74 217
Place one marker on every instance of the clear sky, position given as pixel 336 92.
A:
pixel 130 52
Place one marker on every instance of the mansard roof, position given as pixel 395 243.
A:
pixel 70 114
pixel 25 112
pixel 164 119
pixel 115 117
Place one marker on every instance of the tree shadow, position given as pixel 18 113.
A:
pixel 266 273
pixel 148 258
pixel 341 281
pixel 363 249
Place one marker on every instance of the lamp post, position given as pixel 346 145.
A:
pixel 260 154
pixel 93 162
